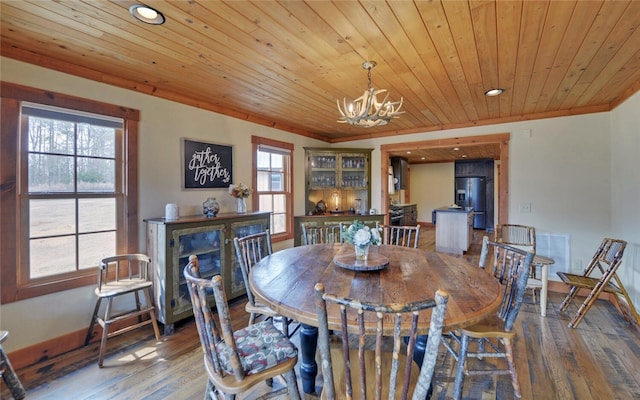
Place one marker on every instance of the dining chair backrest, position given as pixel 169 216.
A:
pixel 7 372
pixel 249 250
pixel 208 330
pixel 315 234
pixel 515 263
pixel 230 357
pixel 391 372
pixel 520 236
pixel 405 236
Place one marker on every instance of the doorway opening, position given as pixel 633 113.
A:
pixel 442 150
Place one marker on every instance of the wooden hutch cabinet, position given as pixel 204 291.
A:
pixel 339 177
pixel 170 243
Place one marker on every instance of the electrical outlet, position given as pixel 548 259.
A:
pixel 577 265
pixel 525 208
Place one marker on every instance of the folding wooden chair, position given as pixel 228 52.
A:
pixel 606 260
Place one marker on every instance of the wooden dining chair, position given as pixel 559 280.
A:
pixel 406 236
pixel 124 275
pixel 520 236
pixel 494 335
pixel 599 276
pixel 391 374
pixel 319 234
pixel 249 250
pixel 235 361
pixel 7 372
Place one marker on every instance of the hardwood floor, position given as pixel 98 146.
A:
pixel 598 360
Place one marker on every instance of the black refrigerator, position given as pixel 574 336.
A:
pixel 472 192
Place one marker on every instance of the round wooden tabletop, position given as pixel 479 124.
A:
pixel 285 282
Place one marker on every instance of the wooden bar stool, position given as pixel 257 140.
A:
pixel 122 275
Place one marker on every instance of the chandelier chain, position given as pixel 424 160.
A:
pixel 367 111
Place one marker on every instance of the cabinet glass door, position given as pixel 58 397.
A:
pixel 323 170
pixel 241 229
pixel 204 242
pixel 354 171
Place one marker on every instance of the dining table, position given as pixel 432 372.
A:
pixel 285 282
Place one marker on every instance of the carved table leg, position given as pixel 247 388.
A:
pixel 418 356
pixel 308 368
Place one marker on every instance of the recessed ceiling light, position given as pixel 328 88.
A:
pixel 456 148
pixel 464 156
pixel 408 152
pixel 422 158
pixel 146 14
pixel 493 92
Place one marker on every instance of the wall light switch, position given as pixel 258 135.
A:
pixel 525 207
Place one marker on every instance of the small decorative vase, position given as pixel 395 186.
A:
pixel 210 207
pixel 242 205
pixel 362 252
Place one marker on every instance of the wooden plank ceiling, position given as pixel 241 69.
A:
pixel 286 63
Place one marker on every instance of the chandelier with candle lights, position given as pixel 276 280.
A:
pixel 366 110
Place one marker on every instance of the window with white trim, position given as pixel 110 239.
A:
pixel 272 183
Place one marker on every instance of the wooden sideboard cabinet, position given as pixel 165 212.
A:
pixel 170 243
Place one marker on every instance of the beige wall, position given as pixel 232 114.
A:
pixel 579 182
pixel 162 124
pixel 432 186
pixel 625 190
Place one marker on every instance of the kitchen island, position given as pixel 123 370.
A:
pixel 454 229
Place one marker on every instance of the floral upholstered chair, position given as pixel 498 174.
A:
pixel 236 361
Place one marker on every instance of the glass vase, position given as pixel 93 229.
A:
pixel 210 207
pixel 362 252
pixel 242 205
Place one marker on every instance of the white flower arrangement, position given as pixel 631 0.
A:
pixel 360 234
pixel 239 191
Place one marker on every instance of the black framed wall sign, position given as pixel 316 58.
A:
pixel 206 165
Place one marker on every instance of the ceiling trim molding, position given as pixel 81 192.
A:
pixel 449 142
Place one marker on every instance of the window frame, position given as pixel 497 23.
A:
pixel 256 141
pixel 13 223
